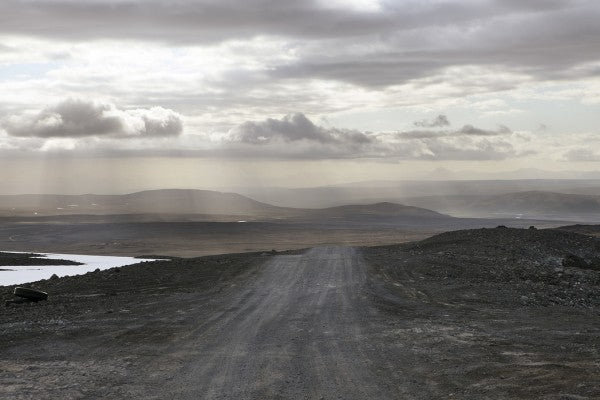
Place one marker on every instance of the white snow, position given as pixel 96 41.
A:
pixel 23 274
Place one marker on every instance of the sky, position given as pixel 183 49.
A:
pixel 114 95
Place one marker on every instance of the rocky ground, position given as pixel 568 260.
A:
pixel 536 267
pixel 506 312
pixel 477 314
pixel 8 259
pixel 110 291
pixel 591 230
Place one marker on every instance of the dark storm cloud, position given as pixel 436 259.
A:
pixel 439 121
pixel 79 118
pixel 398 43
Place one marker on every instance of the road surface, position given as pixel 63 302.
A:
pixel 293 332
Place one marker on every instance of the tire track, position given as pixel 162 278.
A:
pixel 293 332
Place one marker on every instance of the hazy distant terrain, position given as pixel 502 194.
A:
pixel 530 204
pixel 199 222
pixel 194 205
pixel 147 202
pixel 572 200
pixel 396 191
pixel 557 199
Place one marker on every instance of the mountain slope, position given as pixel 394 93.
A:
pixel 396 191
pixel 173 202
pixel 384 209
pixel 541 202
pixel 170 201
pixel 527 203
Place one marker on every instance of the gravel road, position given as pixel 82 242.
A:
pixel 295 331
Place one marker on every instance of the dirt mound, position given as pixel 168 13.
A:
pixel 591 230
pixel 527 266
pixel 533 245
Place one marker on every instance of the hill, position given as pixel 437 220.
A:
pixel 541 202
pixel 532 266
pixel 396 191
pixel 383 209
pixel 527 204
pixel 168 201
pixel 183 205
pixel 590 230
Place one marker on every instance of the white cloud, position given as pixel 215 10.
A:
pixel 439 121
pixel 295 136
pixel 79 118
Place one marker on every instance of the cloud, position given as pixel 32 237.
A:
pixel 296 136
pixel 85 128
pixel 582 154
pixel 466 130
pixel 224 62
pixel 75 118
pixel 467 148
pixel 293 128
pixel 439 121
pixel 470 130
pixel 386 45
pixel 230 63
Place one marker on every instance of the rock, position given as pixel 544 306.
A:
pixel 30 294
pixel 595 263
pixel 574 261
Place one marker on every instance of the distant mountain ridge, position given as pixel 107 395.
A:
pixel 192 202
pixel 539 201
pixel 166 201
pixel 527 203
pixel 379 209
pixel 370 192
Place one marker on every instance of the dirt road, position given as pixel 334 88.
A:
pixel 294 332
pixel 291 326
